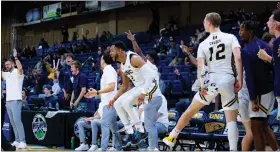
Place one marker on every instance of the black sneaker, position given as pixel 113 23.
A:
pixel 12 148
pixel 134 138
pixel 144 135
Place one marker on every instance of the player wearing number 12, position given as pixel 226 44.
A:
pixel 218 50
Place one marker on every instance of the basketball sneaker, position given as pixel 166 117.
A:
pixel 134 138
pixel 169 141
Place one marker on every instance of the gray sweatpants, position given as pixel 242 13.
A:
pixel 14 112
pixel 150 120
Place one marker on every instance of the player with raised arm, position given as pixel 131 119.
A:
pixel 151 59
pixel 134 68
pixel 218 50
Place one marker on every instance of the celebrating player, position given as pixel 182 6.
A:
pixel 256 102
pixel 133 67
pixel 218 50
pixel 274 29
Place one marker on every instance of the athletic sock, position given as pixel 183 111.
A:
pixel 232 135
pixel 174 133
pixel 129 129
pixel 140 128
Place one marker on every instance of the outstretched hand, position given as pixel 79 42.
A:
pixel 130 36
pixel 14 52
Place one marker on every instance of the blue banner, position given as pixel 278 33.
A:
pixel 7 128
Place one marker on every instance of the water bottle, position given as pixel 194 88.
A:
pixel 57 106
pixel 98 142
pixel 72 142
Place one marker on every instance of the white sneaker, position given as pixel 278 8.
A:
pixel 82 147
pixel 22 145
pixel 112 149
pixel 150 149
pixel 93 148
pixel 140 128
pixel 15 143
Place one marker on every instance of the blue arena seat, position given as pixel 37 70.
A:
pixel 180 67
pixel 163 62
pixel 176 89
pixel 168 58
pixel 194 131
pixel 186 68
pixel 163 76
pixel 171 76
pixel 173 117
pixel 159 69
pixel 197 123
pixel 167 69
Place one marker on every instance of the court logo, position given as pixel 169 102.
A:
pixel 76 128
pixel 39 126
pixel 216 116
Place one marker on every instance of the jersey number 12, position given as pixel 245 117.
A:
pixel 221 49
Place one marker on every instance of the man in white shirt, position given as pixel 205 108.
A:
pixel 14 80
pixel 105 117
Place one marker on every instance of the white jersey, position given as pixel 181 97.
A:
pixel 217 49
pixel 137 78
pixel 155 69
pixel 132 73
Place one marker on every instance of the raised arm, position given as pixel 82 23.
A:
pixel 136 47
pixel 19 66
pixel 191 57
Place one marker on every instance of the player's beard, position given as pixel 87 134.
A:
pixel 9 69
pixel 116 57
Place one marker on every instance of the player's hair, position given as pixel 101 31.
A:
pixel 154 56
pixel 214 19
pixel 249 26
pixel 26 91
pixel 276 15
pixel 77 65
pixel 10 60
pixel 120 45
pixel 107 58
pixel 69 55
